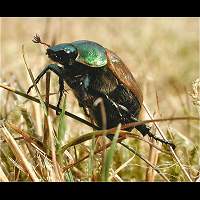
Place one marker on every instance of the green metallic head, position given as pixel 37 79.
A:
pixel 83 51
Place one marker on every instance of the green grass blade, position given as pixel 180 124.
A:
pixel 61 133
pixel 91 159
pixel 62 125
pixel 68 176
pixel 109 156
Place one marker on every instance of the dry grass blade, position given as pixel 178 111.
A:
pixel 46 124
pixel 173 152
pixel 3 177
pixel 145 160
pixel 88 136
pixel 26 136
pixel 19 154
pixel 153 158
pixel 114 173
pixel 153 153
pixel 133 124
pixel 53 152
pixel 33 80
pixel 115 176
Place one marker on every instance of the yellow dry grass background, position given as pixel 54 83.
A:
pixel 162 54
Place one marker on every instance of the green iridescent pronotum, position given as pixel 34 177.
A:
pixel 90 53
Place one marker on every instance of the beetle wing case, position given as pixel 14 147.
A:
pixel 123 74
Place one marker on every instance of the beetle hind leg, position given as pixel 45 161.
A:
pixel 145 130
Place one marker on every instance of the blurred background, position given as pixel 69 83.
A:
pixel 162 54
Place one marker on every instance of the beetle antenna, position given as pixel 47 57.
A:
pixel 36 39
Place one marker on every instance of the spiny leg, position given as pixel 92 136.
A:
pixel 107 100
pixel 145 130
pixel 52 67
pixel 115 105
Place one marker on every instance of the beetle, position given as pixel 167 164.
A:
pixel 92 72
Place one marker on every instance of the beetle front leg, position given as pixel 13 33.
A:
pixel 52 67
pixel 61 90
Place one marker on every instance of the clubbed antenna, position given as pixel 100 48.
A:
pixel 36 39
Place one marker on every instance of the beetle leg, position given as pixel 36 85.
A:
pixel 108 100
pixel 61 90
pixel 145 130
pixel 52 67
pixel 115 105
pixel 79 85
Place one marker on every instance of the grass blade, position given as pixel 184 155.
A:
pixel 109 156
pixel 33 80
pixel 172 151
pixel 3 177
pixel 46 125
pixel 91 159
pixel 53 151
pixel 19 154
pixel 62 125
